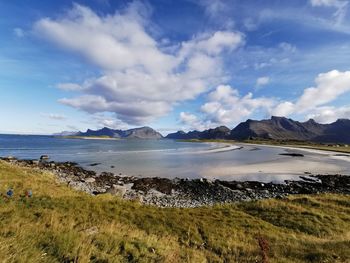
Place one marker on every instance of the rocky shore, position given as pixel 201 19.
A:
pixel 165 192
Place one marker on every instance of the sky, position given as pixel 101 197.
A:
pixel 171 64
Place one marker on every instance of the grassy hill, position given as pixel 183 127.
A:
pixel 59 224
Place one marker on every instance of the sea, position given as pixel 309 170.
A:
pixel 163 158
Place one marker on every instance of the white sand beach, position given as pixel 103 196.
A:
pixel 313 162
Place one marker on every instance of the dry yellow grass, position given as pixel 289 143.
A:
pixel 59 224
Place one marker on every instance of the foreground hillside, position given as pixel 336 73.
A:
pixel 61 225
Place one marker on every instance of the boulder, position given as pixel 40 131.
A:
pixel 90 180
pixel 44 157
pixel 119 190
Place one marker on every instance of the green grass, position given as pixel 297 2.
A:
pixel 59 224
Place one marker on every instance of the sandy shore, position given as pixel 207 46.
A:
pixel 281 167
pixel 317 151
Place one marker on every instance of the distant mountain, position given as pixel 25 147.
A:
pixel 221 132
pixel 281 128
pixel 139 133
pixel 65 133
pixel 276 128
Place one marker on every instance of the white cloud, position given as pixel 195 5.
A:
pixel 262 81
pixel 140 80
pixel 340 5
pixel 218 11
pixel 19 32
pixel 69 86
pixel 334 3
pixel 225 106
pixel 287 47
pixel 108 120
pixel 330 114
pixel 191 121
pixel 329 86
pixel 284 109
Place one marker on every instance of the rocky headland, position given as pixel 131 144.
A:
pixel 176 192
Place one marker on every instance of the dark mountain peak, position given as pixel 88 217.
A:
pixel 221 132
pixel 178 135
pixel 342 121
pixel 106 129
pixel 143 133
pixel 222 128
pixel 278 118
pixel 311 121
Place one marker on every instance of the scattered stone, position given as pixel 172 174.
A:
pixel 44 157
pixel 118 190
pixel 90 180
pixel 95 164
pixel 177 192
pixel 9 158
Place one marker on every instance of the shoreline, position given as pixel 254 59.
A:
pixel 163 192
pixel 301 148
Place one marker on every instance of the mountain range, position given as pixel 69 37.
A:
pixel 137 133
pixel 276 128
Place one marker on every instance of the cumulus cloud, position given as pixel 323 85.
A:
pixel 329 86
pixel 191 121
pixel 108 120
pixel 313 102
pixel 226 106
pixel 330 114
pixel 140 81
pixel 262 81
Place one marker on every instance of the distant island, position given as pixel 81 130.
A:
pixel 276 128
pixel 107 133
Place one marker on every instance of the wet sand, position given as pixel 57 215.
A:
pixel 281 167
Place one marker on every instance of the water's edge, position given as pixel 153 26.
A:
pixel 176 192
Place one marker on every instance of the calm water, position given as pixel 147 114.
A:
pixel 164 158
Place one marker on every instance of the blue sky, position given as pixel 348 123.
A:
pixel 171 64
